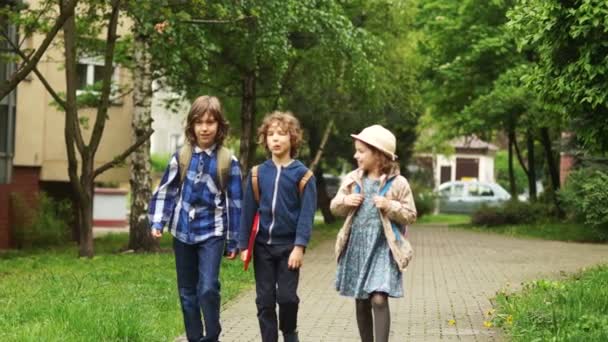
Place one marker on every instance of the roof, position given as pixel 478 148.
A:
pixel 472 142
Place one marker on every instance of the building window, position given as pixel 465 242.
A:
pixel 7 109
pixel 89 73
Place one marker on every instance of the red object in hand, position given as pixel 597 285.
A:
pixel 255 226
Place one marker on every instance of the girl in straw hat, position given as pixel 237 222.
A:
pixel 371 249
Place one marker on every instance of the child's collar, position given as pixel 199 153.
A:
pixel 209 150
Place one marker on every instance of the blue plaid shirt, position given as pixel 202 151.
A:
pixel 198 210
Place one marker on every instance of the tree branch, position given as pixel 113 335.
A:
pixel 217 21
pixel 315 162
pixel 102 111
pixel 71 129
pixel 283 84
pixel 42 79
pixel 7 86
pixel 120 158
pixel 519 158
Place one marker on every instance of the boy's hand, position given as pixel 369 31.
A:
pixel 231 255
pixel 381 203
pixel 157 234
pixel 244 254
pixel 295 258
pixel 353 200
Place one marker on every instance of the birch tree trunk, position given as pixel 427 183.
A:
pixel 141 123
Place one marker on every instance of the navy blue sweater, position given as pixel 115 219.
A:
pixel 286 216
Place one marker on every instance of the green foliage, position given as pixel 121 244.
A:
pixel 512 212
pixel 466 49
pixel 159 162
pixel 585 196
pixel 557 310
pixel 567 40
pixel 424 198
pixel 47 223
pixel 501 168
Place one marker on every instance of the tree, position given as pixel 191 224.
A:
pixel 83 182
pixel 30 59
pixel 329 85
pixel 475 86
pixel 139 163
pixel 250 52
pixel 569 43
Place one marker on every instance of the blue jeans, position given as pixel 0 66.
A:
pixel 198 284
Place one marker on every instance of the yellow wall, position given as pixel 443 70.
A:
pixel 39 130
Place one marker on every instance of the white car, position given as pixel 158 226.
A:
pixel 467 197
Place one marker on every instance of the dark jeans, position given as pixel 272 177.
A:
pixel 275 283
pixel 198 268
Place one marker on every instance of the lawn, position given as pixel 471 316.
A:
pixel 50 295
pixel 445 218
pixel 575 309
pixel 571 232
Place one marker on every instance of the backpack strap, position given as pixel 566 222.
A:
pixel 224 158
pixel 304 180
pixel 255 185
pixel 184 157
pixel 386 187
pixel 383 193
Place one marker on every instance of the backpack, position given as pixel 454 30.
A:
pixel 223 164
pixel 255 186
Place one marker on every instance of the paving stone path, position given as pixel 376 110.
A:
pixel 454 275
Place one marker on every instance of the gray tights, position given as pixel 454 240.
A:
pixel 378 302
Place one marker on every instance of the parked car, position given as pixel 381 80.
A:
pixel 467 197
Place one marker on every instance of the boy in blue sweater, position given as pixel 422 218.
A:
pixel 199 199
pixel 286 208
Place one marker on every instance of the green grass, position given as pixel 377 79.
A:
pixel 571 232
pixel 50 295
pixel 445 218
pixel 570 310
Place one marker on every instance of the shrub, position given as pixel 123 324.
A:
pixel 585 197
pixel 513 212
pixel 44 224
pixel 159 162
pixel 424 198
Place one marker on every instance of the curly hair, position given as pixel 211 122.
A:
pixel 207 105
pixel 288 122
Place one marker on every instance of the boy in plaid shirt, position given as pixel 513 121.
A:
pixel 200 201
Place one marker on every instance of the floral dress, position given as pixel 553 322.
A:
pixel 366 265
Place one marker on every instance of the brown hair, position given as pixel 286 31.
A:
pixel 286 121
pixel 387 165
pixel 207 105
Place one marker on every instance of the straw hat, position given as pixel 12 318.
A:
pixel 380 138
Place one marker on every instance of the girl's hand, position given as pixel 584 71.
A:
pixel 295 258
pixel 381 203
pixel 353 200
pixel 244 254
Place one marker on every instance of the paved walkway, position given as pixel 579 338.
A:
pixel 453 276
